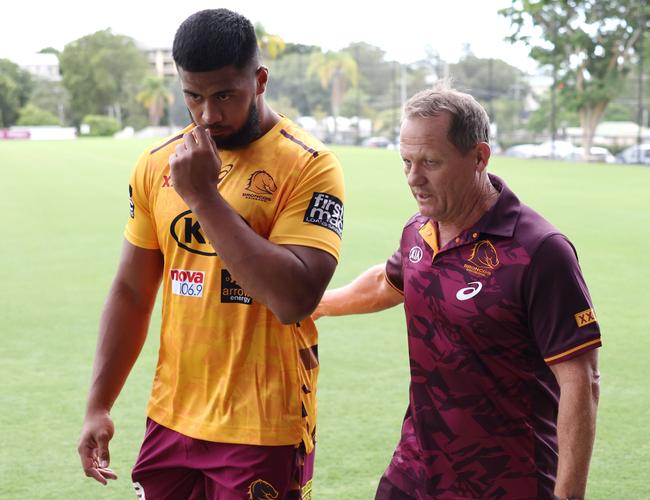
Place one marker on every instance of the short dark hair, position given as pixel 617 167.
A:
pixel 214 38
pixel 469 124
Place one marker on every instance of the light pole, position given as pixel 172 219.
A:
pixel 639 137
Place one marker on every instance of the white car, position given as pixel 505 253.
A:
pixel 560 150
pixel 631 154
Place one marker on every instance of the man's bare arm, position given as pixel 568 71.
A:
pixel 122 332
pixel 579 382
pixel 369 292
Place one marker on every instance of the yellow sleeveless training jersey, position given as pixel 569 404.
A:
pixel 228 370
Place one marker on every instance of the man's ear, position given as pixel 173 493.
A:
pixel 482 155
pixel 262 78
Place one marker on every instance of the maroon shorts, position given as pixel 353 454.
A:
pixel 172 466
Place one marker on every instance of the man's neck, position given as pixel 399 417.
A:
pixel 483 199
pixel 268 117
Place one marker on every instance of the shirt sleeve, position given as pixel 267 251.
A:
pixel 140 229
pixel 394 274
pixel 313 213
pixel 560 312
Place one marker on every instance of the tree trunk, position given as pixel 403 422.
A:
pixel 589 120
pixel 155 112
pixel 337 97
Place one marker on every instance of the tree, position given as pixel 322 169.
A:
pixel 51 96
pixel 539 120
pixel 497 85
pixel 376 75
pixel 155 94
pixel 15 87
pixel 270 45
pixel 102 73
pixel 289 79
pixel 33 115
pixel 590 43
pixel 100 125
pixel 336 71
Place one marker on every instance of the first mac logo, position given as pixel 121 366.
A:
pixel 186 231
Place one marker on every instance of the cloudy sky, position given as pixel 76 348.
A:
pixel 403 28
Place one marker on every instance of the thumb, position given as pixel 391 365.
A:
pixel 201 135
pixel 204 137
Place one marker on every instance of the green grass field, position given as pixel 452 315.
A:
pixel 64 205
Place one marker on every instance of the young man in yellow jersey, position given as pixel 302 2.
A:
pixel 240 217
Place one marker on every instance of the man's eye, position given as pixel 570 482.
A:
pixel 223 97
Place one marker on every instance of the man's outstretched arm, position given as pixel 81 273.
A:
pixel 122 332
pixel 369 292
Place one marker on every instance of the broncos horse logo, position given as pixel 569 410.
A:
pixel 260 182
pixel 484 255
pixel 261 490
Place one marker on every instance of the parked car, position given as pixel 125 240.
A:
pixel 377 142
pixel 560 150
pixel 522 151
pixel 631 154
pixel 598 154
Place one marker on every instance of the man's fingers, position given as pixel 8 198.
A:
pixel 107 473
pixel 100 474
pixel 201 136
pixel 95 474
pixel 103 454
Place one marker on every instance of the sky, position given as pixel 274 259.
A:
pixel 402 29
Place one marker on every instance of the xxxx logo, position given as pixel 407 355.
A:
pixel 585 318
pixel 261 185
pixel 483 259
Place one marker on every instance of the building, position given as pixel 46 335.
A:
pixel 42 66
pixel 617 134
pixel 161 62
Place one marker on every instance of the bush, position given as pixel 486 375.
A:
pixel 101 125
pixel 31 114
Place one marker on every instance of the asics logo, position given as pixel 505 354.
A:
pixel 470 291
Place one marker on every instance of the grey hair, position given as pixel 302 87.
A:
pixel 470 123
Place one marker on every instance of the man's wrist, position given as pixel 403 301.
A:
pixel 204 202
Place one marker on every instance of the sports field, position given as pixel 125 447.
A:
pixel 63 207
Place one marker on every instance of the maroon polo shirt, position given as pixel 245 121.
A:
pixel 486 316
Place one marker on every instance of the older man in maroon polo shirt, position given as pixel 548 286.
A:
pixel 502 333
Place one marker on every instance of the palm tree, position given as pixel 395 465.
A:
pixel 336 71
pixel 153 96
pixel 270 45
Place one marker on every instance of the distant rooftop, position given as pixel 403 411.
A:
pixel 44 66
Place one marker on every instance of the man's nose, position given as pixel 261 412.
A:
pixel 414 175
pixel 211 113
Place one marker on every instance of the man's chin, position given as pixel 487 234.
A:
pixel 427 211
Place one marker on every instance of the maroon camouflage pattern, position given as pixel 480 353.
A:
pixel 482 314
